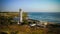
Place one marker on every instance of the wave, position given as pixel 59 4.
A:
pixel 45 17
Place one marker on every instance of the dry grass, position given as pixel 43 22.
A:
pixel 25 29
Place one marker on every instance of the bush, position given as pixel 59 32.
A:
pixel 5 20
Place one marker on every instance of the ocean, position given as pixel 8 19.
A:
pixel 45 16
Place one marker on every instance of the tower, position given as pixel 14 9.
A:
pixel 20 16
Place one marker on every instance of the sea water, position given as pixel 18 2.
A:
pixel 45 16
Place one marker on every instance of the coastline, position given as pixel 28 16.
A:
pixel 12 27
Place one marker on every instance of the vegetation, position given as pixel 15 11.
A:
pixel 8 25
pixel 7 18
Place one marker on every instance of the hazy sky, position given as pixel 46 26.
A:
pixel 30 5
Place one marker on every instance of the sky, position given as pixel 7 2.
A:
pixel 30 5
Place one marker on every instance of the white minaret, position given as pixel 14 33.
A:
pixel 20 16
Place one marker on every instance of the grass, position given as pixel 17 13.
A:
pixel 24 29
